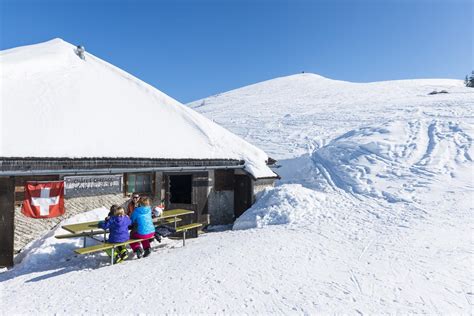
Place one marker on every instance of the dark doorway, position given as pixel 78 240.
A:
pixel 180 189
pixel 242 195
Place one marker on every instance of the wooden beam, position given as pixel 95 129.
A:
pixel 7 217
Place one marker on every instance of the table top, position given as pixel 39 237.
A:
pixel 93 226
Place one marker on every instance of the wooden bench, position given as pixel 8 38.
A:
pixel 106 246
pixel 84 234
pixel 185 228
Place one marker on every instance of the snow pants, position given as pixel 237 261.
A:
pixel 145 243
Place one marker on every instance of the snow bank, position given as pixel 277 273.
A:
pixel 286 204
pixel 48 249
pixel 396 159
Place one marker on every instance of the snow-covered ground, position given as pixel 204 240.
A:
pixel 374 214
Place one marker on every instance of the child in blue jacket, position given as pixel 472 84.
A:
pixel 143 227
pixel 117 224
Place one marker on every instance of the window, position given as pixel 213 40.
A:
pixel 139 182
pixel 181 189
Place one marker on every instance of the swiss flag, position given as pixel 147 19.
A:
pixel 43 199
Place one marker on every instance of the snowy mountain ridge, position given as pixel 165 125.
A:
pixel 376 139
pixel 275 114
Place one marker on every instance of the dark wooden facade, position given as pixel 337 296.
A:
pixel 14 172
pixel 7 220
pixel 242 194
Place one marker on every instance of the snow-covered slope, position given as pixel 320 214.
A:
pixel 396 163
pixel 291 116
pixel 373 214
pixel 398 159
pixel 55 104
pixel 381 139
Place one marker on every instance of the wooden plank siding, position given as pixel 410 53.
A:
pixel 224 180
pixel 21 181
pixel 7 218
pixel 200 193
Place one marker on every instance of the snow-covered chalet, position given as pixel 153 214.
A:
pixel 108 134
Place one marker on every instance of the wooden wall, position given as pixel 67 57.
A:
pixel 20 185
pixel 7 217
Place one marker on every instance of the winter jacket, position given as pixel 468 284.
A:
pixel 118 228
pixel 164 230
pixel 141 220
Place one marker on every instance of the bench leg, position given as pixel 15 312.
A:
pixel 112 256
pixel 184 238
pixel 84 243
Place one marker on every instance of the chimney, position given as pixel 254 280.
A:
pixel 80 51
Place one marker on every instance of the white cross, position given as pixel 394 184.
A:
pixel 44 201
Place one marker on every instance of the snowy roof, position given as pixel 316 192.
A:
pixel 55 104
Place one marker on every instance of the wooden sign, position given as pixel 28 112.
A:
pixel 92 185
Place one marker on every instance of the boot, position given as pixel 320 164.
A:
pixel 139 253
pixel 124 254
pixel 147 252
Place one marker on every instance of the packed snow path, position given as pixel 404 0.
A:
pixel 348 257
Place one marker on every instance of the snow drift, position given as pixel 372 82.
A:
pixel 397 159
pixel 46 249
pixel 286 204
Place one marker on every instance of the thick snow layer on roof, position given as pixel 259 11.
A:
pixel 55 104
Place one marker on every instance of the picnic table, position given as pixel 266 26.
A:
pixel 94 226
pixel 91 229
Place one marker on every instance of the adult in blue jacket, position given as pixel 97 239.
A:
pixel 142 227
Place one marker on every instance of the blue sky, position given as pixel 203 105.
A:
pixel 192 49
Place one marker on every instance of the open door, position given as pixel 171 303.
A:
pixel 179 191
pixel 179 194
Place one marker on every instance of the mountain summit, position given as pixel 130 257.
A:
pixel 290 116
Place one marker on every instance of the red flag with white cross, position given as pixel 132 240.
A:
pixel 43 199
